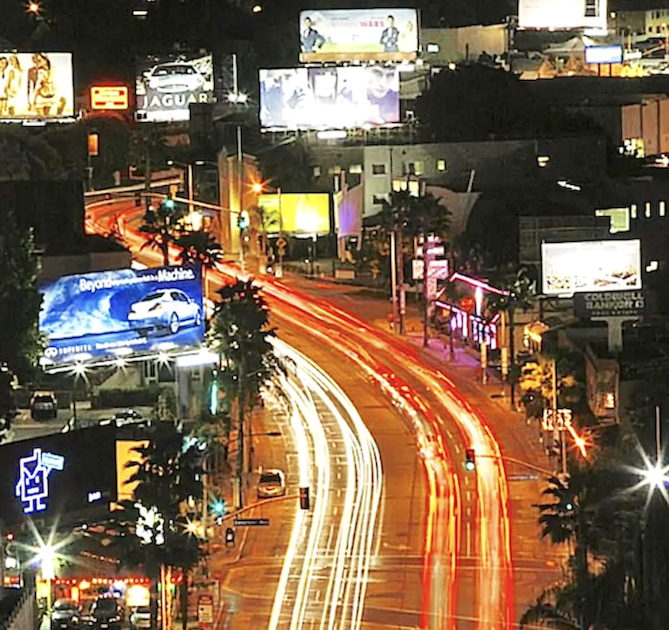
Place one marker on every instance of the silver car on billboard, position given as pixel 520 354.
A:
pixel 165 309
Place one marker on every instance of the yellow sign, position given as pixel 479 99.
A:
pixel 124 455
pixel 110 97
pixel 296 213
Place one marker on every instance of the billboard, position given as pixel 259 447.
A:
pixel 562 14
pixel 591 266
pixel 603 54
pixel 610 304
pixel 167 85
pixel 297 213
pixel 59 473
pixel 359 35
pixel 36 85
pixel 329 97
pixel 115 313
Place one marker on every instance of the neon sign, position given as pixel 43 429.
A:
pixel 33 484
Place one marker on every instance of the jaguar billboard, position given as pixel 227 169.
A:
pixel 590 266
pixel 167 85
pixel 358 35
pixel 123 312
pixel 36 86
pixel 329 97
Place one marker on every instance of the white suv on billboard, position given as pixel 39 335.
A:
pixel 175 76
pixel 169 309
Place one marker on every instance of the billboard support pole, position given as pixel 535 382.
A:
pixel 393 279
pixel 281 249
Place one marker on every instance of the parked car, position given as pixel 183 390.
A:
pixel 272 484
pixel 105 614
pixel 65 615
pixel 164 309
pixel 43 405
pixel 127 416
pixel 140 618
pixel 175 77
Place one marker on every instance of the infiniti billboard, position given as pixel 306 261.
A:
pixel 167 85
pixel 123 312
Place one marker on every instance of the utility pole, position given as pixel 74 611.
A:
pixel 561 429
pixel 393 279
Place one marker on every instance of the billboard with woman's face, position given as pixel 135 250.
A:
pixel 36 85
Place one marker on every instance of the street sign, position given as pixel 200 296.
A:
pixel 563 420
pixel 110 97
pixel 205 609
pixel 251 522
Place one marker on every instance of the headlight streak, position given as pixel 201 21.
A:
pixel 345 332
pixel 346 560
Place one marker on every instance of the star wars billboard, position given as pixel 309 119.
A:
pixel 329 98
pixel 167 85
pixel 36 86
pixel 358 35
pixel 57 474
pixel 122 312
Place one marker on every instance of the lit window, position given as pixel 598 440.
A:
pixel 441 165
pixel 609 400
pixel 433 48
pixel 414 168
pixel 663 208
pixel 317 171
pixel 543 161
pixel 379 199
pixel 378 169
pixel 647 213
pixel 633 210
pixel 355 169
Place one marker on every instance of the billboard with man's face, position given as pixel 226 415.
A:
pixel 359 35
pixel 590 266
pixel 329 98
pixel 36 85
pixel 116 313
pixel 167 85
pixel 562 14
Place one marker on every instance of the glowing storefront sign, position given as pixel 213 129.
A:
pixel 33 484
pixel 109 97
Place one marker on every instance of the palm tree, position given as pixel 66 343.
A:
pixel 167 475
pixel 163 227
pixel 198 246
pixel 405 216
pixel 240 333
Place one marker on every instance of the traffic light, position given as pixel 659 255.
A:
pixel 244 220
pixel 218 507
pixel 304 498
pixel 470 459
pixel 168 203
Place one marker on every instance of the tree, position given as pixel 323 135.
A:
pixel 21 343
pixel 198 246
pixel 240 333
pixel 163 226
pixel 167 474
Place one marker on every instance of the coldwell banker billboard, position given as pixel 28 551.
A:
pixel 562 14
pixel 36 85
pixel 359 35
pixel 56 474
pixel 300 213
pixel 116 313
pixel 591 266
pixel 167 85
pixel 329 98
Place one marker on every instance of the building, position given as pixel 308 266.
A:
pixel 443 46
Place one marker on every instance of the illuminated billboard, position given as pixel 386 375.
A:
pixel 359 35
pixel 591 266
pixel 116 313
pixel 110 97
pixel 297 213
pixel 36 86
pixel 55 474
pixel 603 54
pixel 167 85
pixel 329 97
pixel 562 14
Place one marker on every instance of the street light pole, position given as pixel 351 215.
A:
pixel 281 249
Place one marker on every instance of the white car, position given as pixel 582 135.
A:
pixel 140 618
pixel 272 484
pixel 177 76
pixel 164 309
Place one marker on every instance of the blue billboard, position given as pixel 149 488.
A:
pixel 121 312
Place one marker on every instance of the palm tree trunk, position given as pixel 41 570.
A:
pixel 582 573
pixel 512 357
pixel 183 597
pixel 240 439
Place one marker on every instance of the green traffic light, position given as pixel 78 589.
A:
pixel 218 507
pixel 470 466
